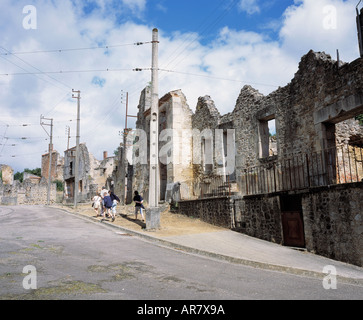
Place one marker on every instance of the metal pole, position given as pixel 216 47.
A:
pixel 50 161
pixel 50 153
pixel 153 216
pixel 76 173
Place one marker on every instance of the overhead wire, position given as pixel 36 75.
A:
pixel 76 49
pixel 41 72
pixel 204 30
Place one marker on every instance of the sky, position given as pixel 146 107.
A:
pixel 207 47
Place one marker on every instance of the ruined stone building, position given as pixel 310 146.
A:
pixel 93 174
pixel 32 191
pixel 301 188
pixel 56 166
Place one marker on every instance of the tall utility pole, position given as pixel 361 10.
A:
pixel 153 214
pixel 50 153
pixel 68 133
pixel 123 158
pixel 76 167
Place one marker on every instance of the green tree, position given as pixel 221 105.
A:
pixel 19 176
pixel 60 185
pixel 360 119
pixel 36 172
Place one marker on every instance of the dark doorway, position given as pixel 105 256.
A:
pixel 292 221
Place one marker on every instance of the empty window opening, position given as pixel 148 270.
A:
pixel 267 137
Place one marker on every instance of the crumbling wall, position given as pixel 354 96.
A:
pixel 86 183
pixel 27 193
pixel 7 174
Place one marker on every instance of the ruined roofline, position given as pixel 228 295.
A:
pixel 207 102
pixel 306 61
pixel 250 94
pixel 166 97
pixel 74 148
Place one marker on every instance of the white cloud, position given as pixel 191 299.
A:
pixel 321 25
pixel 135 5
pixel 249 6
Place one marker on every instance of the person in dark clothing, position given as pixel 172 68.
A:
pixel 138 205
pixel 108 205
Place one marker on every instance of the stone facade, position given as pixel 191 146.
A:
pixel 259 216
pixel 56 167
pixel 7 174
pixel 216 211
pixel 93 174
pixel 333 222
pixel 175 145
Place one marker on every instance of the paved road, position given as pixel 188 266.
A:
pixel 76 259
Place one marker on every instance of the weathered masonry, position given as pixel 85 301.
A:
pixel 301 187
pixel 93 174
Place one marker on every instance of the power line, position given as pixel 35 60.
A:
pixel 148 69
pixel 40 72
pixel 76 49
pixel 65 72
pixel 204 30
pixel 217 78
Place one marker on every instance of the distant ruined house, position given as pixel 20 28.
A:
pixel 93 174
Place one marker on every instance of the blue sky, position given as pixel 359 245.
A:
pixel 208 17
pixel 209 47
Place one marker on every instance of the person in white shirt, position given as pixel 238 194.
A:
pixel 96 203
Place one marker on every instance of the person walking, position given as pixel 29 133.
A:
pixel 103 193
pixel 138 205
pixel 115 199
pixel 108 205
pixel 96 203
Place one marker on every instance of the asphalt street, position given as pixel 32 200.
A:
pixel 77 259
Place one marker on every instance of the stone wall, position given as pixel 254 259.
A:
pixel 216 211
pixel 333 222
pixel 27 193
pixel 259 217
pixel 56 166
pixel 332 218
